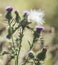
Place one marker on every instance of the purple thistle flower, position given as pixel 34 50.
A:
pixel 8 14
pixel 39 28
pixel 9 8
pixel 37 32
pixel 26 12
pixel 31 54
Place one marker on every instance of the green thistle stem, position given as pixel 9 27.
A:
pixel 11 32
pixel 20 41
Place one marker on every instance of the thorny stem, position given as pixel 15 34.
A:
pixel 32 43
pixel 9 23
pixel 16 29
pixel 20 41
pixel 11 32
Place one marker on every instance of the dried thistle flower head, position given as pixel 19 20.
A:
pixel 36 16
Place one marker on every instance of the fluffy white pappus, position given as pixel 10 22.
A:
pixel 36 16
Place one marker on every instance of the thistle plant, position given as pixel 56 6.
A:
pixel 22 23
